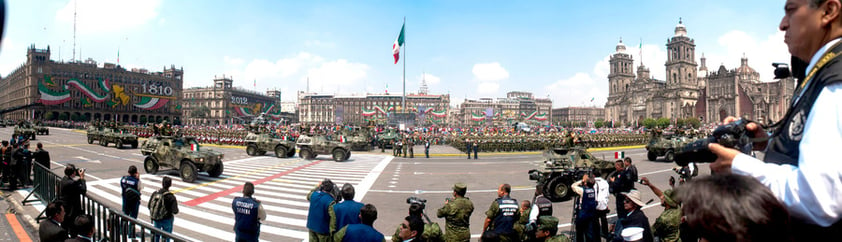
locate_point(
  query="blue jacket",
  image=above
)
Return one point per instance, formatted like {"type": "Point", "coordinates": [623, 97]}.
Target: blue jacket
{"type": "Point", "coordinates": [131, 191]}
{"type": "Point", "coordinates": [360, 233]}
{"type": "Point", "coordinates": [318, 219]}
{"type": "Point", "coordinates": [246, 224]}
{"type": "Point", "coordinates": [347, 212]}
{"type": "Point", "coordinates": [506, 218]}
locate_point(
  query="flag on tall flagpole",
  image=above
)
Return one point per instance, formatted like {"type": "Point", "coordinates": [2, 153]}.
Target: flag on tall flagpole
{"type": "Point", "coordinates": [255, 83]}
{"type": "Point", "coordinates": [396, 47]}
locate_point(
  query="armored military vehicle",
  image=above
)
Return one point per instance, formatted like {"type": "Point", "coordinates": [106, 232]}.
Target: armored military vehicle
{"type": "Point", "coordinates": [259, 143]}
{"type": "Point", "coordinates": [118, 136]}
{"type": "Point", "coordinates": [387, 138]}
{"type": "Point", "coordinates": [563, 166]}
{"type": "Point", "coordinates": [311, 146]}
{"type": "Point", "coordinates": [358, 139]}
{"type": "Point", "coordinates": [25, 129]}
{"type": "Point", "coordinates": [94, 134]}
{"type": "Point", "coordinates": [180, 153]}
{"type": "Point", "coordinates": [665, 145]}
{"type": "Point", "coordinates": [41, 129]}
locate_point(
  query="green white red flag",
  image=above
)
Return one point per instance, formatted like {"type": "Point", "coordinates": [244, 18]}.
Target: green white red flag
{"type": "Point", "coordinates": [396, 48]}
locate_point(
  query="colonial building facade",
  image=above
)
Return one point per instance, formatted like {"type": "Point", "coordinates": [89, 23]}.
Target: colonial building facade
{"type": "Point", "coordinates": [689, 91]}
{"type": "Point", "coordinates": [328, 109]}
{"type": "Point", "coordinates": [84, 91]}
{"type": "Point", "coordinates": [223, 103]}
{"type": "Point", "coordinates": [515, 107]}
{"type": "Point", "coordinates": [581, 115]}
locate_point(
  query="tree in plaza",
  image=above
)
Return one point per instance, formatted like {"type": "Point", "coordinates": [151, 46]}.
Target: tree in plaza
{"type": "Point", "coordinates": [142, 119]}
{"type": "Point", "coordinates": [663, 122]}
{"type": "Point", "coordinates": [74, 117]}
{"type": "Point", "coordinates": [649, 123]}
{"type": "Point", "coordinates": [693, 122]}
{"type": "Point", "coordinates": [598, 123]}
{"type": "Point", "coordinates": [200, 112]}
{"type": "Point", "coordinates": [680, 122]}
{"type": "Point", "coordinates": [63, 116]}
{"type": "Point", "coordinates": [49, 116]}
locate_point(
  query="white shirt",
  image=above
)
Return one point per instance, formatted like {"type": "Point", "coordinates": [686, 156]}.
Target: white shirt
{"type": "Point", "coordinates": [812, 191]}
{"type": "Point", "coordinates": [601, 187]}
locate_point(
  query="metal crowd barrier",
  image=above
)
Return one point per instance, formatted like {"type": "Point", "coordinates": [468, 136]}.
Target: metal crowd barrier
{"type": "Point", "coordinates": [111, 224]}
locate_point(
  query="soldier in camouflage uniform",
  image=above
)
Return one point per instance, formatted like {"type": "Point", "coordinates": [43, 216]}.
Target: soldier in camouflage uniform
{"type": "Point", "coordinates": [547, 230]}
{"type": "Point", "coordinates": [457, 213]}
{"type": "Point", "coordinates": [666, 226]}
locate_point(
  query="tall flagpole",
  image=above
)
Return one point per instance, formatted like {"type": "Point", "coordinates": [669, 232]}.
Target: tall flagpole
{"type": "Point", "coordinates": [403, 97]}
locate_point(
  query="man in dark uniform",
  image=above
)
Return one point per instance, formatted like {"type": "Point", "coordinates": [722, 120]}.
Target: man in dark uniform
{"type": "Point", "coordinates": [468, 147]}
{"type": "Point", "coordinates": [131, 188]}
{"type": "Point", "coordinates": [427, 148]}
{"type": "Point", "coordinates": [345, 212]}
{"type": "Point", "coordinates": [51, 230]}
{"type": "Point", "coordinates": [248, 213]}
{"type": "Point", "coordinates": [41, 156]}
{"type": "Point", "coordinates": [363, 231]}
{"type": "Point", "coordinates": [503, 214]}
{"type": "Point", "coordinates": [586, 226]}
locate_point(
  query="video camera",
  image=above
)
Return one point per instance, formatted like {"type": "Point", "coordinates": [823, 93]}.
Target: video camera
{"type": "Point", "coordinates": [416, 200]}
{"type": "Point", "coordinates": [733, 135]}
{"type": "Point", "coordinates": [331, 188]}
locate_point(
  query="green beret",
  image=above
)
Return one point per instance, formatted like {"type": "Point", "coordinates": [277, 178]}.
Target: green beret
{"type": "Point", "coordinates": [547, 222]}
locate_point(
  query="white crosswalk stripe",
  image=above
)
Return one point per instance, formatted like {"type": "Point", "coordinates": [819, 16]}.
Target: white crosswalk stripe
{"type": "Point", "coordinates": [285, 184]}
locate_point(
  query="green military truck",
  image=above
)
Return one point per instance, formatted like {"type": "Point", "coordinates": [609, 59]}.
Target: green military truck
{"type": "Point", "coordinates": [666, 145]}
{"type": "Point", "coordinates": [180, 153]}
{"type": "Point", "coordinates": [311, 146]}
{"type": "Point", "coordinates": [563, 166]}
{"type": "Point", "coordinates": [25, 129]}
{"type": "Point", "coordinates": [259, 143]}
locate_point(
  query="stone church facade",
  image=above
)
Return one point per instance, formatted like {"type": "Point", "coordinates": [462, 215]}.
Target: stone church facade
{"type": "Point", "coordinates": [690, 90]}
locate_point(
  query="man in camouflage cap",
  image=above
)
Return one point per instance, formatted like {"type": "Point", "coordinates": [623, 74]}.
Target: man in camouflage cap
{"type": "Point", "coordinates": [457, 213]}
{"type": "Point", "coordinates": [547, 230]}
{"type": "Point", "coordinates": [667, 224]}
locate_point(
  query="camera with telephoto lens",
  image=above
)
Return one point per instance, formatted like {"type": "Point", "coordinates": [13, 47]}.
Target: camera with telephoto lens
{"type": "Point", "coordinates": [733, 135]}
{"type": "Point", "coordinates": [415, 200]}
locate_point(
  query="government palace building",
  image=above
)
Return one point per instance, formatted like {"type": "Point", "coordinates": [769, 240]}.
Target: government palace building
{"type": "Point", "coordinates": [84, 91]}
{"type": "Point", "coordinates": [690, 90]}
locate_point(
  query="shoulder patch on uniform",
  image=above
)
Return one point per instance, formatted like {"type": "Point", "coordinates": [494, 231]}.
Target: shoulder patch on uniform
{"type": "Point", "coordinates": [796, 128]}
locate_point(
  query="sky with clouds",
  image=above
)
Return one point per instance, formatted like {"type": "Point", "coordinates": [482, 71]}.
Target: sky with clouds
{"type": "Point", "coordinates": [469, 49]}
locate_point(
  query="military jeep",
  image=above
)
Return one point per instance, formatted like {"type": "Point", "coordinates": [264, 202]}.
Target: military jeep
{"type": "Point", "coordinates": [666, 145]}
{"type": "Point", "coordinates": [94, 134]}
{"type": "Point", "coordinates": [42, 130]}
{"type": "Point", "coordinates": [311, 146]}
{"type": "Point", "coordinates": [563, 166]}
{"type": "Point", "coordinates": [180, 153]}
{"type": "Point", "coordinates": [387, 138]}
{"type": "Point", "coordinates": [25, 129]}
{"type": "Point", "coordinates": [118, 136]}
{"type": "Point", "coordinates": [259, 143]}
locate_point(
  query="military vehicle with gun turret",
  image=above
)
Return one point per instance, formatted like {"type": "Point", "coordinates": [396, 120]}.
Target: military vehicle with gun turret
{"type": "Point", "coordinates": [311, 146]}
{"type": "Point", "coordinates": [358, 139]}
{"type": "Point", "coordinates": [259, 143]}
{"type": "Point", "coordinates": [387, 138]}
{"type": "Point", "coordinates": [180, 153]}
{"type": "Point", "coordinates": [666, 145]}
{"type": "Point", "coordinates": [26, 129]}
{"type": "Point", "coordinates": [563, 166]}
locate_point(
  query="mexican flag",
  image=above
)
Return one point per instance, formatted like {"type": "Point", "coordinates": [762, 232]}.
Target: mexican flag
{"type": "Point", "coordinates": [342, 138]}
{"type": "Point", "coordinates": [396, 48]}
{"type": "Point", "coordinates": [194, 147]}
{"type": "Point", "coordinates": [619, 155]}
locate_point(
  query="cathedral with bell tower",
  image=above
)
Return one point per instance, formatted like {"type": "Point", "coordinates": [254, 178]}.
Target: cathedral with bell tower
{"type": "Point", "coordinates": [689, 89]}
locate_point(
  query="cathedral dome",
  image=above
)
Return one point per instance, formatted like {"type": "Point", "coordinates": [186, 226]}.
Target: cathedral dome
{"type": "Point", "coordinates": [744, 68]}
{"type": "Point", "coordinates": [680, 30]}
{"type": "Point", "coordinates": [621, 48]}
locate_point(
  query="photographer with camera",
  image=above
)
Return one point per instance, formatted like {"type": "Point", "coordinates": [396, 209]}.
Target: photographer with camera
{"type": "Point", "coordinates": [586, 226]}
{"type": "Point", "coordinates": [502, 215]}
{"type": "Point", "coordinates": [318, 220]}
{"type": "Point", "coordinates": [798, 165]}
{"type": "Point", "coordinates": [457, 214]}
{"type": "Point", "coordinates": [72, 188]}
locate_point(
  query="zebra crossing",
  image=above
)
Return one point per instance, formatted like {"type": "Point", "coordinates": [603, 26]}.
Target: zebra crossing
{"type": "Point", "coordinates": [280, 184]}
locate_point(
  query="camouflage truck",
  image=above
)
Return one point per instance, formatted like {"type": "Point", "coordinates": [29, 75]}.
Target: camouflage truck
{"type": "Point", "coordinates": [118, 136]}
{"type": "Point", "coordinates": [259, 143]}
{"type": "Point", "coordinates": [25, 129]}
{"type": "Point", "coordinates": [388, 137]}
{"type": "Point", "coordinates": [358, 140]}
{"type": "Point", "coordinates": [94, 134]}
{"type": "Point", "coordinates": [666, 145]}
{"type": "Point", "coordinates": [311, 146]}
{"type": "Point", "coordinates": [180, 153]}
{"type": "Point", "coordinates": [563, 166]}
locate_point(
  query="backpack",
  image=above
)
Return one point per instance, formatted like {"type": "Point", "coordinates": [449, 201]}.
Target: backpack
{"type": "Point", "coordinates": [432, 232]}
{"type": "Point", "coordinates": [157, 207]}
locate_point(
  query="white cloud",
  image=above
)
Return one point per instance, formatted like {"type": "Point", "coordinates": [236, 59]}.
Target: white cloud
{"type": "Point", "coordinates": [291, 73]}
{"type": "Point", "coordinates": [491, 72]}
{"type": "Point", "coordinates": [488, 88]}
{"type": "Point", "coordinates": [108, 15]}
{"type": "Point", "coordinates": [760, 53]}
{"type": "Point", "coordinates": [429, 78]}
{"type": "Point", "coordinates": [577, 90]}
{"type": "Point", "coordinates": [339, 74]}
